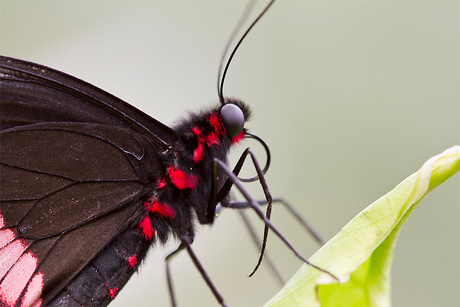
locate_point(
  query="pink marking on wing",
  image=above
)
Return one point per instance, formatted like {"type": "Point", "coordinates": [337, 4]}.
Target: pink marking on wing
{"type": "Point", "coordinates": [163, 210]}
{"type": "Point", "coordinates": [17, 278]}
{"type": "Point", "coordinates": [10, 254]}
{"type": "Point", "coordinates": [146, 227]}
{"type": "Point", "coordinates": [34, 292]}
{"type": "Point", "coordinates": [6, 236]}
{"type": "Point", "coordinates": [37, 303]}
{"type": "Point", "coordinates": [182, 180]}
{"type": "Point", "coordinates": [132, 261]}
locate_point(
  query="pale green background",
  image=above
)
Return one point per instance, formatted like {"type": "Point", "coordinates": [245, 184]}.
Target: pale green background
{"type": "Point", "coordinates": [351, 96]}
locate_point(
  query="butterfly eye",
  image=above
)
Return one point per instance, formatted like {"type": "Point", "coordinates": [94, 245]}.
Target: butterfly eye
{"type": "Point", "coordinates": [233, 119]}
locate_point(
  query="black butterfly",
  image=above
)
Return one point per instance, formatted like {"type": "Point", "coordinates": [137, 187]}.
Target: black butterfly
{"type": "Point", "coordinates": [80, 169]}
{"type": "Point", "coordinates": [89, 182]}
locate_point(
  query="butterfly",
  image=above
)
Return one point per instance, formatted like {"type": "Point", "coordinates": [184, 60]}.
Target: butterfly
{"type": "Point", "coordinates": [89, 183]}
{"type": "Point", "coordinates": [88, 179]}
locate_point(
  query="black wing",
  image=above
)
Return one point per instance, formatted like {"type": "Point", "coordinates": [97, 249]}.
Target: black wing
{"type": "Point", "coordinates": [32, 93]}
{"type": "Point", "coordinates": [74, 173]}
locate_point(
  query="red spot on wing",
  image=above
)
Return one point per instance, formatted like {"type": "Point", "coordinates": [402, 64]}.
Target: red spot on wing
{"type": "Point", "coordinates": [146, 227]}
{"type": "Point", "coordinates": [132, 261]}
{"type": "Point", "coordinates": [182, 180]}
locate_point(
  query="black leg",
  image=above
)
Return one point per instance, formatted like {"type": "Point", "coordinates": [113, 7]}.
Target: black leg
{"type": "Point", "coordinates": [214, 206]}
{"type": "Point", "coordinates": [216, 203]}
{"type": "Point", "coordinates": [256, 241]}
{"type": "Point", "coordinates": [186, 241]}
{"type": "Point", "coordinates": [241, 205]}
{"type": "Point", "coordinates": [186, 244]}
{"type": "Point", "coordinates": [256, 207]}
{"type": "Point", "coordinates": [215, 198]}
{"type": "Point", "coordinates": [308, 227]}
{"type": "Point", "coordinates": [168, 259]}
{"type": "Point", "coordinates": [219, 197]}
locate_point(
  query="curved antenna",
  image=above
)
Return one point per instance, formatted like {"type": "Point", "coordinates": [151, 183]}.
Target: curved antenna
{"type": "Point", "coordinates": [267, 150]}
{"type": "Point", "coordinates": [220, 81]}
{"type": "Point", "coordinates": [239, 24]}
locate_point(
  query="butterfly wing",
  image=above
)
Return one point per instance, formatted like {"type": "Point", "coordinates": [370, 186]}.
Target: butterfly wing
{"type": "Point", "coordinates": [33, 93]}
{"type": "Point", "coordinates": [71, 182]}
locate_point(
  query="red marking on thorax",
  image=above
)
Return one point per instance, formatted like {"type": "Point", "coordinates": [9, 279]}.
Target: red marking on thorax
{"type": "Point", "coordinates": [198, 154]}
{"type": "Point", "coordinates": [146, 226]}
{"type": "Point", "coordinates": [181, 180]}
{"type": "Point", "coordinates": [156, 207]}
{"type": "Point", "coordinates": [162, 183]}
{"type": "Point", "coordinates": [216, 124]}
{"type": "Point", "coordinates": [211, 139]}
{"type": "Point", "coordinates": [197, 131]}
{"type": "Point", "coordinates": [163, 210]}
{"type": "Point", "coordinates": [208, 140]}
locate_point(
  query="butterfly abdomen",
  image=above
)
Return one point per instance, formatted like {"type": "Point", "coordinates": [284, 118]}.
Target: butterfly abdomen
{"type": "Point", "coordinates": [104, 277]}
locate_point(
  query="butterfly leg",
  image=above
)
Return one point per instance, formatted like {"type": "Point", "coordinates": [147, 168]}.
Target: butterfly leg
{"type": "Point", "coordinates": [256, 240]}
{"type": "Point", "coordinates": [308, 227]}
{"type": "Point", "coordinates": [256, 207]}
{"type": "Point", "coordinates": [241, 205]}
{"type": "Point", "coordinates": [186, 244]}
{"type": "Point", "coordinates": [168, 259]}
{"type": "Point", "coordinates": [216, 198]}
{"type": "Point", "coordinates": [244, 204]}
{"type": "Point", "coordinates": [187, 241]}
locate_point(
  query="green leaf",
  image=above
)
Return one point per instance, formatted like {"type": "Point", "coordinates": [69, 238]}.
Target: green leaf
{"type": "Point", "coordinates": [361, 254]}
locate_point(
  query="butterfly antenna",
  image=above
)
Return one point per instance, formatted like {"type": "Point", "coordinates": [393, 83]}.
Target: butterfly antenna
{"type": "Point", "coordinates": [244, 16]}
{"type": "Point", "coordinates": [241, 21]}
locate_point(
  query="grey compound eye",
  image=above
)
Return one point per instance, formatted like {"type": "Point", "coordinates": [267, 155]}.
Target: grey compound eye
{"type": "Point", "coordinates": [233, 119]}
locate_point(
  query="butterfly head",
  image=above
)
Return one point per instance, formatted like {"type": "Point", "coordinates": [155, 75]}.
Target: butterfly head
{"type": "Point", "coordinates": [233, 116]}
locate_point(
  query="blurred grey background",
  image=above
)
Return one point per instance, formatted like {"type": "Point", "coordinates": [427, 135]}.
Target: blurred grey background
{"type": "Point", "coordinates": [351, 96]}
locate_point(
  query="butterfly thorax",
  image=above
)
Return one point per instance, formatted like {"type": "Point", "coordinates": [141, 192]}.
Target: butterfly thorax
{"type": "Point", "coordinates": [181, 195]}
